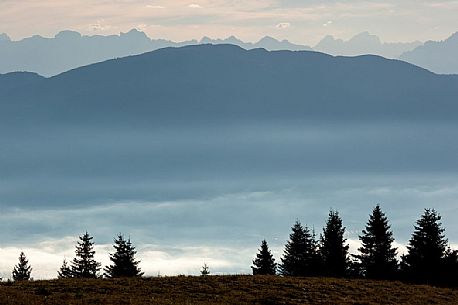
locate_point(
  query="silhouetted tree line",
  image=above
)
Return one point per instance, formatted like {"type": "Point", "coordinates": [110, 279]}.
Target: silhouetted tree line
{"type": "Point", "coordinates": [429, 258]}
{"type": "Point", "coordinates": [84, 264]}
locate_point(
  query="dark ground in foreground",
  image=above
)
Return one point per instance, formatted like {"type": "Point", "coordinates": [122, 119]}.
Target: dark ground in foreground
{"type": "Point", "coordinates": [223, 290]}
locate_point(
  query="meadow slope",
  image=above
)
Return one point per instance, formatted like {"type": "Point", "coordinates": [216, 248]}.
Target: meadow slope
{"type": "Point", "coordinates": [223, 290]}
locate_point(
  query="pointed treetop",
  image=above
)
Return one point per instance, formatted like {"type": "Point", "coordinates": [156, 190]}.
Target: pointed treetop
{"type": "Point", "coordinates": [22, 270]}
{"type": "Point", "coordinates": [84, 264]}
{"type": "Point", "coordinates": [377, 256]}
{"type": "Point", "coordinates": [123, 259]}
{"type": "Point", "coordinates": [334, 250]}
{"type": "Point", "coordinates": [264, 263]}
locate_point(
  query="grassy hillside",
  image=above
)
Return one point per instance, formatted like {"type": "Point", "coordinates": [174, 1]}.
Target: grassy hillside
{"type": "Point", "coordinates": [222, 290]}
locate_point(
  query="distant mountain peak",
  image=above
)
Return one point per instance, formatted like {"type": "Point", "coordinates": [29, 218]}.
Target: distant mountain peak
{"type": "Point", "coordinates": [268, 39]}
{"type": "Point", "coordinates": [436, 56]}
{"type": "Point", "coordinates": [4, 37]}
{"type": "Point", "coordinates": [134, 33]}
{"type": "Point", "coordinates": [68, 34]}
{"type": "Point", "coordinates": [364, 43]}
{"type": "Point", "coordinates": [366, 37]}
{"type": "Point", "coordinates": [234, 40]}
{"type": "Point", "coordinates": [453, 37]}
{"type": "Point", "coordinates": [206, 40]}
{"type": "Point", "coordinates": [328, 39]}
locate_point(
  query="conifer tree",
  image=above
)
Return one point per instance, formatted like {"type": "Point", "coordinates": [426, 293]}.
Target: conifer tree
{"type": "Point", "coordinates": [427, 249]}
{"type": "Point", "coordinates": [84, 264]}
{"type": "Point", "coordinates": [65, 271]}
{"type": "Point", "coordinates": [264, 263]}
{"type": "Point", "coordinates": [377, 256]}
{"type": "Point", "coordinates": [22, 270]}
{"type": "Point", "coordinates": [123, 259]}
{"type": "Point", "coordinates": [333, 250]}
{"type": "Point", "coordinates": [205, 270]}
{"type": "Point", "coordinates": [300, 253]}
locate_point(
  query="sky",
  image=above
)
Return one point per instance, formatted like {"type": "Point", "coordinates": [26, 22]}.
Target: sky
{"type": "Point", "coordinates": [298, 21]}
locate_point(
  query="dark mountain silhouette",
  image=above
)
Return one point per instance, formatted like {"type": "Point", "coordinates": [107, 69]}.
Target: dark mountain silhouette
{"type": "Point", "coordinates": [436, 56]}
{"type": "Point", "coordinates": [208, 82]}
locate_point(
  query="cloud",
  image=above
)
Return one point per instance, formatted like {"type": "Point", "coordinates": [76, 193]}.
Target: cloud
{"type": "Point", "coordinates": [155, 6]}
{"type": "Point", "coordinates": [100, 25]}
{"type": "Point", "coordinates": [283, 25]}
{"type": "Point", "coordinates": [194, 5]}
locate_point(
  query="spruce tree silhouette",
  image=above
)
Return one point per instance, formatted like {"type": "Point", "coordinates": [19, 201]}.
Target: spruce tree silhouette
{"type": "Point", "coordinates": [377, 256]}
{"type": "Point", "coordinates": [123, 259]}
{"type": "Point", "coordinates": [333, 250]}
{"type": "Point", "coordinates": [205, 270]}
{"type": "Point", "coordinates": [264, 263]}
{"type": "Point", "coordinates": [84, 265]}
{"type": "Point", "coordinates": [21, 272]}
{"type": "Point", "coordinates": [424, 261]}
{"type": "Point", "coordinates": [300, 255]}
{"type": "Point", "coordinates": [65, 271]}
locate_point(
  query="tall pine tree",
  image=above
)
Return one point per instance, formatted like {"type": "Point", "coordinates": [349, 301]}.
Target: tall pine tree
{"type": "Point", "coordinates": [84, 264]}
{"type": "Point", "coordinates": [123, 260]}
{"type": "Point", "coordinates": [424, 260]}
{"type": "Point", "coordinates": [299, 258]}
{"type": "Point", "coordinates": [377, 256]}
{"type": "Point", "coordinates": [22, 270]}
{"type": "Point", "coordinates": [333, 250]}
{"type": "Point", "coordinates": [264, 263]}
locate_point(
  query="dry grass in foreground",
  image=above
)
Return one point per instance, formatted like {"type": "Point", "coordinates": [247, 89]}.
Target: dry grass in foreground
{"type": "Point", "coordinates": [222, 290]}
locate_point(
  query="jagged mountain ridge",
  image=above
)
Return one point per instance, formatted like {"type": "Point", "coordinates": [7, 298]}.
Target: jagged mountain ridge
{"type": "Point", "coordinates": [437, 56]}
{"type": "Point", "coordinates": [364, 43]}
{"type": "Point", "coordinates": [69, 49]}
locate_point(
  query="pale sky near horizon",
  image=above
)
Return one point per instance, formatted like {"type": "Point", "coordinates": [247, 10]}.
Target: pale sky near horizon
{"type": "Point", "coordinates": [303, 22]}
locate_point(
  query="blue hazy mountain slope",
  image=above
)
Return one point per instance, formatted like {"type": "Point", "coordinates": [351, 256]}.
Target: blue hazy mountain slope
{"type": "Point", "coordinates": [226, 82]}
{"type": "Point", "coordinates": [436, 56]}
